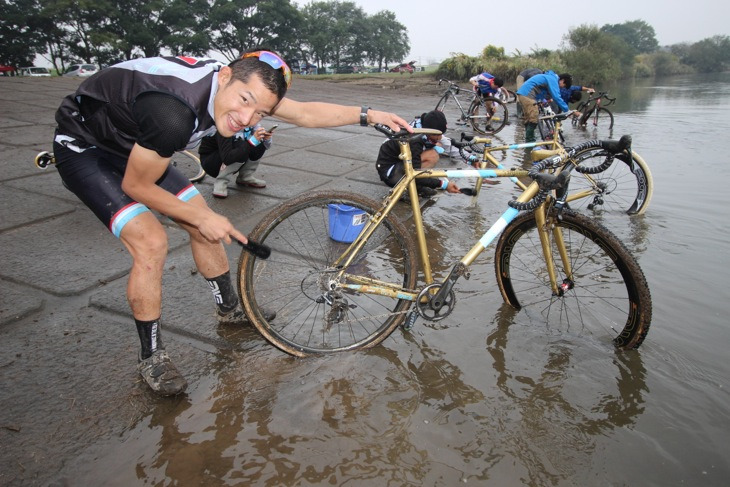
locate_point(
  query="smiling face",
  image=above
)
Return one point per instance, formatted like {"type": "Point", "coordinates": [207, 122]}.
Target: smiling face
{"type": "Point", "coordinates": [239, 104]}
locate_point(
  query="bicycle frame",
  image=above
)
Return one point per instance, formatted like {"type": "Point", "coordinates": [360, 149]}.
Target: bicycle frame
{"type": "Point", "coordinates": [451, 93]}
{"type": "Point", "coordinates": [550, 147]}
{"type": "Point", "coordinates": [408, 182]}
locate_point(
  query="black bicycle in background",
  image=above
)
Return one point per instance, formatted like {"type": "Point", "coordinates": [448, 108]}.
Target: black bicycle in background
{"type": "Point", "coordinates": [594, 111]}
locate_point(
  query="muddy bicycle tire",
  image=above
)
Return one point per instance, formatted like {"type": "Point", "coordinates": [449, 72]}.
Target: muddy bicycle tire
{"type": "Point", "coordinates": [610, 300]}
{"type": "Point", "coordinates": [189, 164]}
{"type": "Point", "coordinates": [442, 103]}
{"type": "Point", "coordinates": [314, 315]}
{"type": "Point", "coordinates": [481, 120]}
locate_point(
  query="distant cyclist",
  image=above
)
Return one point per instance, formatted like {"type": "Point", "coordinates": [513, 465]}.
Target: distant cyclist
{"type": "Point", "coordinates": [536, 89]}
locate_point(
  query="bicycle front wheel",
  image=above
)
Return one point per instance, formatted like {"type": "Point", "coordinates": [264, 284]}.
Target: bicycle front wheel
{"type": "Point", "coordinates": [189, 164]}
{"type": "Point", "coordinates": [442, 103]}
{"type": "Point", "coordinates": [606, 297]}
{"type": "Point", "coordinates": [322, 305]}
{"type": "Point", "coordinates": [603, 118]}
{"type": "Point", "coordinates": [625, 186]}
{"type": "Point", "coordinates": [487, 115]}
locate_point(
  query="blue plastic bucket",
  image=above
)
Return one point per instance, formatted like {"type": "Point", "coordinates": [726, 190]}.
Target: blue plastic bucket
{"type": "Point", "coordinates": [345, 222]}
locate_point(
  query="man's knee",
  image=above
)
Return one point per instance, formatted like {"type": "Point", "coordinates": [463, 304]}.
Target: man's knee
{"type": "Point", "coordinates": [145, 238]}
{"type": "Point", "coordinates": [429, 158]}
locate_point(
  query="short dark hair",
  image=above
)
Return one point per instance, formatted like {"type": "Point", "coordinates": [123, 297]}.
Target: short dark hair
{"type": "Point", "coordinates": [272, 78]}
{"type": "Point", "coordinates": [567, 79]}
{"type": "Point", "coordinates": [434, 120]}
{"type": "Point", "coordinates": [498, 81]}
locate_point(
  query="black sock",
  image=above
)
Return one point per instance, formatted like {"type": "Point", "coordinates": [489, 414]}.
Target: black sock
{"type": "Point", "coordinates": [149, 336]}
{"type": "Point", "coordinates": [225, 297]}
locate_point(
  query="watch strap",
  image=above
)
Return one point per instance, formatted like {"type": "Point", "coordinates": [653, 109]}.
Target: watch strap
{"type": "Point", "coordinates": [364, 116]}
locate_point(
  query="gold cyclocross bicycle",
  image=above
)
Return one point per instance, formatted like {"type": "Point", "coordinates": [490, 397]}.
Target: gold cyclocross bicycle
{"type": "Point", "coordinates": [343, 270]}
{"type": "Point", "coordinates": [607, 181]}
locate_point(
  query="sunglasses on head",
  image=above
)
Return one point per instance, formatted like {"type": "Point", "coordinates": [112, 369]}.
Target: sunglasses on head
{"type": "Point", "coordinates": [272, 60]}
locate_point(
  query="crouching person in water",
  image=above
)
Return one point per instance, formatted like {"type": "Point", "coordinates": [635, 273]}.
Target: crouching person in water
{"type": "Point", "coordinates": [113, 144]}
{"type": "Point", "coordinates": [425, 153]}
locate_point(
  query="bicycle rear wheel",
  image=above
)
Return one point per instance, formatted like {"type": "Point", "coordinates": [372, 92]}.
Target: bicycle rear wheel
{"type": "Point", "coordinates": [189, 164]}
{"type": "Point", "coordinates": [625, 186]}
{"type": "Point", "coordinates": [607, 298]}
{"type": "Point", "coordinates": [487, 115]}
{"type": "Point", "coordinates": [316, 312]}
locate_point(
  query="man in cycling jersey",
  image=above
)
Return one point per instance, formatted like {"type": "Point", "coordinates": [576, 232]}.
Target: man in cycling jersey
{"type": "Point", "coordinates": [113, 144]}
{"type": "Point", "coordinates": [534, 90]}
{"type": "Point", "coordinates": [424, 152]}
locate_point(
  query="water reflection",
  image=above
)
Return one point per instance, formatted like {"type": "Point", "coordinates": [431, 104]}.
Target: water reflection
{"type": "Point", "coordinates": [565, 395]}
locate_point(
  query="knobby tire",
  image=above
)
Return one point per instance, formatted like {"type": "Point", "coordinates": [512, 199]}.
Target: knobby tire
{"type": "Point", "coordinates": [297, 279]}
{"type": "Point", "coordinates": [610, 300]}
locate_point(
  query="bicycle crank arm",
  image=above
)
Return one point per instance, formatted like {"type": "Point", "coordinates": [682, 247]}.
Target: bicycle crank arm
{"type": "Point", "coordinates": [442, 295]}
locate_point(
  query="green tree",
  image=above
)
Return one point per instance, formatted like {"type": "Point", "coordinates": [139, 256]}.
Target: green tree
{"type": "Point", "coordinates": [387, 39]}
{"type": "Point", "coordinates": [19, 40]}
{"type": "Point", "coordinates": [335, 32]}
{"type": "Point", "coordinates": [709, 55]}
{"type": "Point", "coordinates": [493, 53]}
{"type": "Point", "coordinates": [593, 56]}
{"type": "Point", "coordinates": [239, 25]}
{"type": "Point", "coordinates": [636, 33]}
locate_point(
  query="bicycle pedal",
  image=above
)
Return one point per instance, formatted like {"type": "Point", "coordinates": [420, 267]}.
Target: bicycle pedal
{"type": "Point", "coordinates": [410, 320]}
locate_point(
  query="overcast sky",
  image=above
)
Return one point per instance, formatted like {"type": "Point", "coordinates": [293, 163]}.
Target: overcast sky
{"type": "Point", "coordinates": [438, 28]}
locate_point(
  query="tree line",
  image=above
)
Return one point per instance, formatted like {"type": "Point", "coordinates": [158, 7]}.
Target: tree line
{"type": "Point", "coordinates": [104, 32]}
{"type": "Point", "coordinates": [595, 54]}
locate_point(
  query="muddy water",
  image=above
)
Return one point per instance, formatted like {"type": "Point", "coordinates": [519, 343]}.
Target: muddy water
{"type": "Point", "coordinates": [484, 398]}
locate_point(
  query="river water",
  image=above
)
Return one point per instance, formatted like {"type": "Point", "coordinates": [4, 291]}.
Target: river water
{"type": "Point", "coordinates": [483, 398]}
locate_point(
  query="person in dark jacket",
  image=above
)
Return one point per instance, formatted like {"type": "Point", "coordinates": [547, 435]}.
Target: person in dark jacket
{"type": "Point", "coordinates": [222, 156]}
{"type": "Point", "coordinates": [424, 152]}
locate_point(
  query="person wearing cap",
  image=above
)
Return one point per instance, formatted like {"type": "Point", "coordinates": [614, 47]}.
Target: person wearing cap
{"type": "Point", "coordinates": [223, 156]}
{"type": "Point", "coordinates": [424, 155]}
{"type": "Point", "coordinates": [534, 90]}
{"type": "Point", "coordinates": [113, 144]}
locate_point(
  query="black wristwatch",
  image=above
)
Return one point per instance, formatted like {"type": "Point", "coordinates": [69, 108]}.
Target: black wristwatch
{"type": "Point", "coordinates": [364, 116]}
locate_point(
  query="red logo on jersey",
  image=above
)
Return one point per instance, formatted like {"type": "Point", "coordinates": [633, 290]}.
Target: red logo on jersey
{"type": "Point", "coordinates": [190, 60]}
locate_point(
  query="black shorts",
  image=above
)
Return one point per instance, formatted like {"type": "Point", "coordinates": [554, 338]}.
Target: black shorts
{"type": "Point", "coordinates": [95, 176]}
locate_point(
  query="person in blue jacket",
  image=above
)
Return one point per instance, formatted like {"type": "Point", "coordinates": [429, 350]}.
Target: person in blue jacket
{"type": "Point", "coordinates": [531, 92]}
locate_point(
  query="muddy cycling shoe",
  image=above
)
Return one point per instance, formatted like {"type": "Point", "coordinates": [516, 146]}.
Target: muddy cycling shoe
{"type": "Point", "coordinates": [237, 317]}
{"type": "Point", "coordinates": [161, 375]}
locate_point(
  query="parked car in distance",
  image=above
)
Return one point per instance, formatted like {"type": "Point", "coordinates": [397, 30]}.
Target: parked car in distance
{"type": "Point", "coordinates": [7, 70]}
{"type": "Point", "coordinates": [345, 69]}
{"type": "Point", "coordinates": [81, 70]}
{"type": "Point", "coordinates": [404, 68]}
{"type": "Point", "coordinates": [33, 71]}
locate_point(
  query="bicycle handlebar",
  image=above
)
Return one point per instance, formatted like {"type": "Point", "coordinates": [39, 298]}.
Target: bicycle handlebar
{"type": "Point", "coordinates": [452, 86]}
{"type": "Point", "coordinates": [548, 182]}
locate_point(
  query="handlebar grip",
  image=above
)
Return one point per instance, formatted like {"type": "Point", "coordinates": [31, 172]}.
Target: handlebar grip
{"type": "Point", "coordinates": [259, 250]}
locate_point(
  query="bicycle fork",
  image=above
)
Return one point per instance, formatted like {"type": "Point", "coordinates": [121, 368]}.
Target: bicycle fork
{"type": "Point", "coordinates": [546, 228]}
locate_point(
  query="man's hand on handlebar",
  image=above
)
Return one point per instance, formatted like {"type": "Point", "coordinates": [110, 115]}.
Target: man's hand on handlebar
{"type": "Point", "coordinates": [391, 120]}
